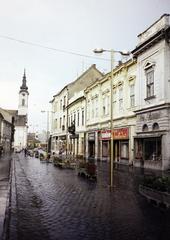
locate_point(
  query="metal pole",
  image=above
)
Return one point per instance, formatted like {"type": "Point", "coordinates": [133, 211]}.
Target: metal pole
{"type": "Point", "coordinates": [47, 128]}
{"type": "Point", "coordinates": [111, 120]}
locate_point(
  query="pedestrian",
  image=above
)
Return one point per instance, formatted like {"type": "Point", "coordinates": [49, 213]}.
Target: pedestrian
{"type": "Point", "coordinates": [25, 152]}
{"type": "Point", "coordinates": [1, 150]}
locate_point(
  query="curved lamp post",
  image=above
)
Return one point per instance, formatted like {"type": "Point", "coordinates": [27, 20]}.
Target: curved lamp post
{"type": "Point", "coordinates": [125, 53]}
{"type": "Point", "coordinates": [47, 136]}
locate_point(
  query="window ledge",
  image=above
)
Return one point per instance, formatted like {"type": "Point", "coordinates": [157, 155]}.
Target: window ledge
{"type": "Point", "coordinates": [149, 98]}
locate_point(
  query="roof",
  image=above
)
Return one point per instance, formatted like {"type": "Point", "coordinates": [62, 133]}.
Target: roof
{"type": "Point", "coordinates": [93, 66]}
{"type": "Point", "coordinates": [6, 115]}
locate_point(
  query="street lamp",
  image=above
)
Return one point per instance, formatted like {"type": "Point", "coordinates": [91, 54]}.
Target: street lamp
{"type": "Point", "coordinates": [125, 53]}
{"type": "Point", "coordinates": [43, 111]}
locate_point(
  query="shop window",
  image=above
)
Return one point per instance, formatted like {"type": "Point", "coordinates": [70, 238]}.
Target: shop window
{"type": "Point", "coordinates": [152, 149]}
{"type": "Point", "coordinates": [124, 150]}
{"type": "Point", "coordinates": [155, 127]}
{"type": "Point", "coordinates": [145, 128]}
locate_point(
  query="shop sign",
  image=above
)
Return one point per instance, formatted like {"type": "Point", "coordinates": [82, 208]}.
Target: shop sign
{"type": "Point", "coordinates": [105, 134]}
{"type": "Point", "coordinates": [121, 133]}
{"type": "Point", "coordinates": [91, 136]}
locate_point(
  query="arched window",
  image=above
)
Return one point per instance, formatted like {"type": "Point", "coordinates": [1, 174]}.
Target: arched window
{"type": "Point", "coordinates": [145, 128]}
{"type": "Point", "coordinates": [155, 126]}
{"type": "Point", "coordinates": [23, 102]}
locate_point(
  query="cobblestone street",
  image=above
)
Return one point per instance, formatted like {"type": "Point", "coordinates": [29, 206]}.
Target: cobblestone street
{"type": "Point", "coordinates": [51, 203]}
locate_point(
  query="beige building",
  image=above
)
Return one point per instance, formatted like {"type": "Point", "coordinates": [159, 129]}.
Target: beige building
{"type": "Point", "coordinates": [6, 130]}
{"type": "Point", "coordinates": [76, 114]}
{"type": "Point", "coordinates": [99, 116]}
{"type": "Point", "coordinates": [65, 114]}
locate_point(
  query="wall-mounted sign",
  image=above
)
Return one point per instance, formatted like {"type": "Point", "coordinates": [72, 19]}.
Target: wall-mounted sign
{"type": "Point", "coordinates": [105, 134]}
{"type": "Point", "coordinates": [91, 136]}
{"type": "Point", "coordinates": [121, 133]}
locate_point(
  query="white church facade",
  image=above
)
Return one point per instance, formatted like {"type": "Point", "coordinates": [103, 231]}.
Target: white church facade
{"type": "Point", "coordinates": [21, 116]}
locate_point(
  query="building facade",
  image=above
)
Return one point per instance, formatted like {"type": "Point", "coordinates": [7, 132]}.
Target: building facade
{"type": "Point", "coordinates": [6, 130]}
{"type": "Point", "coordinates": [152, 139]}
{"type": "Point", "coordinates": [140, 107]}
{"type": "Point", "coordinates": [65, 116]}
{"type": "Point", "coordinates": [98, 108]}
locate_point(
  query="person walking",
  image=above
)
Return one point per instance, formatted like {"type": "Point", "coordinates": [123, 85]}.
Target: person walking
{"type": "Point", "coordinates": [25, 152]}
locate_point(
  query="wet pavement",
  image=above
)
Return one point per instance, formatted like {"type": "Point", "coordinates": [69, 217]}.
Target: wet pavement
{"type": "Point", "coordinates": [52, 203]}
{"type": "Point", "coordinates": [4, 188]}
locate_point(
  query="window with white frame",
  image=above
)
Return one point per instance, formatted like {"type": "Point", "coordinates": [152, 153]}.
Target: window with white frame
{"type": "Point", "coordinates": [74, 117]}
{"type": "Point", "coordinates": [120, 99]}
{"type": "Point", "coordinates": [82, 117]}
{"type": "Point", "coordinates": [108, 104]}
{"type": "Point", "coordinates": [55, 124]}
{"type": "Point", "coordinates": [104, 106]}
{"type": "Point", "coordinates": [55, 106]}
{"type": "Point", "coordinates": [92, 108]}
{"type": "Point", "coordinates": [60, 122]}
{"type": "Point", "coordinates": [96, 106]}
{"type": "Point", "coordinates": [114, 98]}
{"type": "Point", "coordinates": [78, 118]}
{"type": "Point", "coordinates": [64, 104]}
{"type": "Point", "coordinates": [61, 107]}
{"type": "Point", "coordinates": [132, 95]}
{"type": "Point", "coordinates": [69, 120]}
{"type": "Point", "coordinates": [88, 110]}
{"type": "Point", "coordinates": [149, 72]}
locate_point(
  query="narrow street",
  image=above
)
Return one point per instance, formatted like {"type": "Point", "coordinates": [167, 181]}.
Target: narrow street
{"type": "Point", "coordinates": [51, 203]}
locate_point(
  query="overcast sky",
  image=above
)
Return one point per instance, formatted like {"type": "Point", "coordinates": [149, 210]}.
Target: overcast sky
{"type": "Point", "coordinates": [76, 26]}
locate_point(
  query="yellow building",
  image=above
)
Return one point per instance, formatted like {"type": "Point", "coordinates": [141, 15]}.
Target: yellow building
{"type": "Point", "coordinates": [99, 117]}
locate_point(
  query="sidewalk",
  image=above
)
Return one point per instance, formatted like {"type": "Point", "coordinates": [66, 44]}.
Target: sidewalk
{"type": "Point", "coordinates": [4, 188]}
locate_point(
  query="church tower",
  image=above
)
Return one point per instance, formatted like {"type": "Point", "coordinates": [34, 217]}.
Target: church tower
{"type": "Point", "coordinates": [23, 97]}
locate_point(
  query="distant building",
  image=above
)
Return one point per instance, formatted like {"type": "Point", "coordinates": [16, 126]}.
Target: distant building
{"type": "Point", "coordinates": [65, 113]}
{"type": "Point", "coordinates": [20, 137]}
{"type": "Point", "coordinates": [6, 130]}
{"type": "Point", "coordinates": [20, 117]}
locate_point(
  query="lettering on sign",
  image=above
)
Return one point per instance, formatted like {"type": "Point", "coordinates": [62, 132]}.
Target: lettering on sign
{"type": "Point", "coordinates": [121, 133]}
{"type": "Point", "coordinates": [106, 134]}
{"type": "Point", "coordinates": [91, 136]}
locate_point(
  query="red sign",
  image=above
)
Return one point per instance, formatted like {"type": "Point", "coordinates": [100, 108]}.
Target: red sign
{"type": "Point", "coordinates": [121, 133]}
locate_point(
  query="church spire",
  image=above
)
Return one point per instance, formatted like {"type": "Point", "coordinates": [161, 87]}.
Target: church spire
{"type": "Point", "coordinates": [24, 85]}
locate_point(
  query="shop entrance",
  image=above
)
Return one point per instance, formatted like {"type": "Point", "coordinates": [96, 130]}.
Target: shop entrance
{"type": "Point", "coordinates": [91, 148]}
{"type": "Point", "coordinates": [121, 150]}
